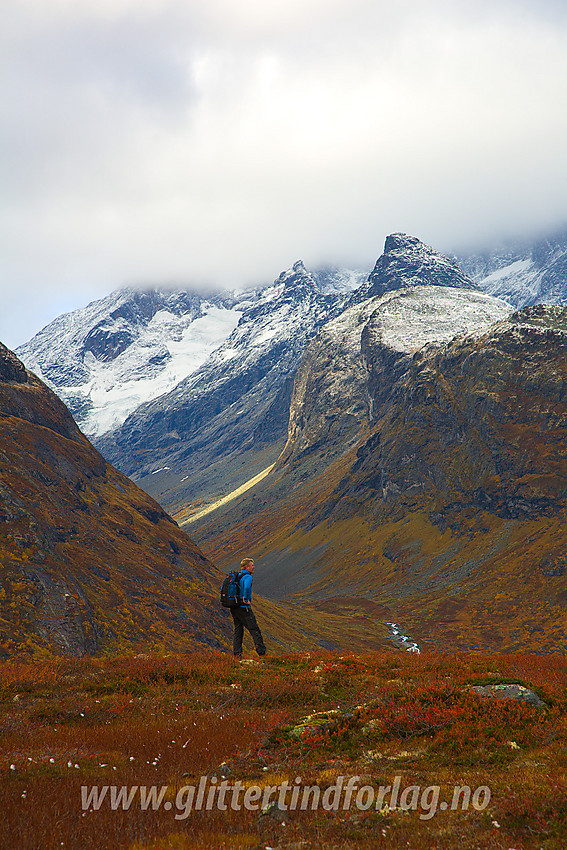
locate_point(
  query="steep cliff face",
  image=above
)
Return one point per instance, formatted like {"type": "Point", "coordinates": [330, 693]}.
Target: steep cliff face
{"type": "Point", "coordinates": [87, 560]}
{"type": "Point", "coordinates": [479, 423]}
{"type": "Point", "coordinates": [349, 370]}
{"type": "Point", "coordinates": [329, 404]}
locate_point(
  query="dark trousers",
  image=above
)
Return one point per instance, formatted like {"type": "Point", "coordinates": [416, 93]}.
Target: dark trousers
{"type": "Point", "coordinates": [244, 618]}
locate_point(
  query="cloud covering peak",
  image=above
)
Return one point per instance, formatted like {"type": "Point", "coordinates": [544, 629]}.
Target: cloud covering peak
{"type": "Point", "coordinates": [208, 140]}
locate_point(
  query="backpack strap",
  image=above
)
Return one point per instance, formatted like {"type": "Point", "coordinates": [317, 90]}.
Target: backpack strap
{"type": "Point", "coordinates": [238, 577]}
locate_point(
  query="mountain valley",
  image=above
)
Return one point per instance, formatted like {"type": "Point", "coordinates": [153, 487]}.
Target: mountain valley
{"type": "Point", "coordinates": [389, 449]}
{"type": "Point", "coordinates": [448, 515]}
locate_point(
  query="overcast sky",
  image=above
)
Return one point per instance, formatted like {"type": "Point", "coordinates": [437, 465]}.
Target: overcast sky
{"type": "Point", "coordinates": [185, 141]}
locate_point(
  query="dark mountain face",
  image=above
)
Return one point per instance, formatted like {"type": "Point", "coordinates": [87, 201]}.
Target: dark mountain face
{"type": "Point", "coordinates": [407, 261]}
{"type": "Point", "coordinates": [87, 560]}
{"type": "Point", "coordinates": [479, 424]}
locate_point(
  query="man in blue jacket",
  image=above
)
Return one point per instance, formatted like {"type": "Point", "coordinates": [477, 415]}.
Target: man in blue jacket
{"type": "Point", "coordinates": [243, 616]}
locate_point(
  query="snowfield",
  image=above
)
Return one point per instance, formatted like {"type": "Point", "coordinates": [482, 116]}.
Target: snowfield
{"type": "Point", "coordinates": [165, 353]}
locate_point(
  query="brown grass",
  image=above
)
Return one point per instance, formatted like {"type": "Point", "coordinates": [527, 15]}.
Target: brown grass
{"type": "Point", "coordinates": [167, 721]}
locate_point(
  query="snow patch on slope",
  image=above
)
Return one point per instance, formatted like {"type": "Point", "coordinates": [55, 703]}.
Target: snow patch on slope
{"type": "Point", "coordinates": [515, 268]}
{"type": "Point", "coordinates": [520, 281]}
{"type": "Point", "coordinates": [523, 273]}
{"type": "Point", "coordinates": [409, 319]}
{"type": "Point", "coordinates": [176, 350]}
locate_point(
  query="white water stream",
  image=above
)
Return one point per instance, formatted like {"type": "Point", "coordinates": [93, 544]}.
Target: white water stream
{"type": "Point", "coordinates": [401, 640]}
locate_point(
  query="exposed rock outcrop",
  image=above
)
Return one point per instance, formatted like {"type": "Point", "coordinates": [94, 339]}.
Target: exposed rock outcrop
{"type": "Point", "coordinates": [407, 261]}
{"type": "Point", "coordinates": [517, 693]}
{"type": "Point", "coordinates": [12, 370]}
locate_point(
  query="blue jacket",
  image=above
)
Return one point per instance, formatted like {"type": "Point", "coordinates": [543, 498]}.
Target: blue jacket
{"type": "Point", "coordinates": [245, 582]}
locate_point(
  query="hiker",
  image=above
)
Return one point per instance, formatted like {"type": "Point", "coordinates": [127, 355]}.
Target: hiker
{"type": "Point", "coordinates": [243, 616]}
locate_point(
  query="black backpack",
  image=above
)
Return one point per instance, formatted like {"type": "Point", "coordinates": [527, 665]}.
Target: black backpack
{"type": "Point", "coordinates": [230, 590]}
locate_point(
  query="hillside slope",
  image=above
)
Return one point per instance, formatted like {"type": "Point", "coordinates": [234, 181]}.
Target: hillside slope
{"type": "Point", "coordinates": [88, 560]}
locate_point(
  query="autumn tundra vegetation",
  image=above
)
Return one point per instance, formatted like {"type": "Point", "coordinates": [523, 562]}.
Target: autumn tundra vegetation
{"type": "Point", "coordinates": [191, 752]}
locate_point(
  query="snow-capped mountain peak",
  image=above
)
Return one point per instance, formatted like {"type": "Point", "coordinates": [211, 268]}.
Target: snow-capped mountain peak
{"type": "Point", "coordinates": [405, 262]}
{"type": "Point", "coordinates": [131, 346]}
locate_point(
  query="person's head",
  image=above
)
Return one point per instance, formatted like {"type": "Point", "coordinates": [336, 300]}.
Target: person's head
{"type": "Point", "coordinates": [247, 564]}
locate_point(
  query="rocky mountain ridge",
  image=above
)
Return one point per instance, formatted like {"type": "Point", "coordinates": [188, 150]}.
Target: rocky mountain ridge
{"type": "Point", "coordinates": [134, 345]}
{"type": "Point", "coordinates": [189, 393]}
{"type": "Point", "coordinates": [233, 412]}
{"type": "Point", "coordinates": [223, 410]}
{"type": "Point", "coordinates": [408, 262]}
{"type": "Point", "coordinates": [424, 466]}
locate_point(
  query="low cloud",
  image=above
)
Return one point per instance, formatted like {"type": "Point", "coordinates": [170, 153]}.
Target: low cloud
{"type": "Point", "coordinates": [218, 141]}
